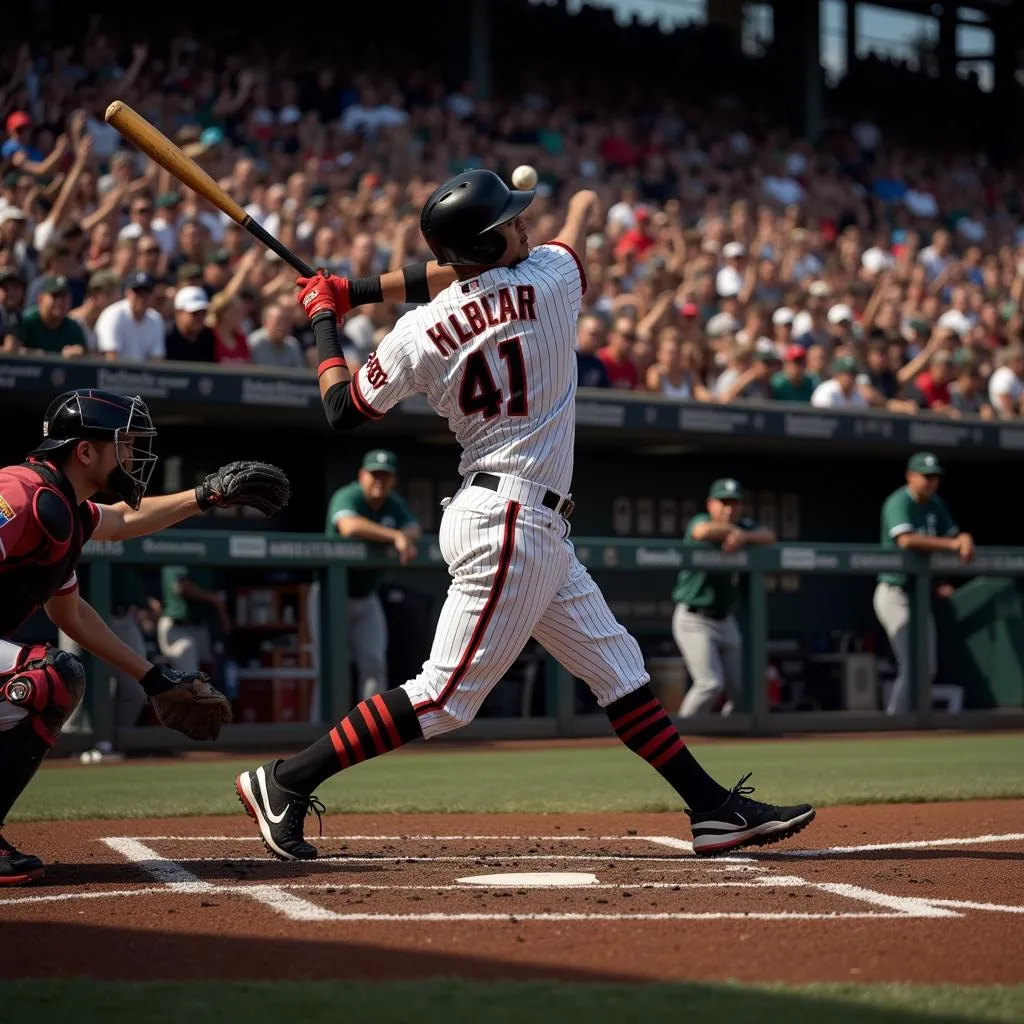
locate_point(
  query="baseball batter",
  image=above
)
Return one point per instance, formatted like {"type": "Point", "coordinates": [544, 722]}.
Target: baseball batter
{"type": "Point", "coordinates": [494, 353]}
{"type": "Point", "coordinates": [703, 623]}
{"type": "Point", "coordinates": [914, 518]}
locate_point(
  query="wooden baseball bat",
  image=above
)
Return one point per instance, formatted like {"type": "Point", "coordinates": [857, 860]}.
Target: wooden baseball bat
{"type": "Point", "coordinates": [157, 146]}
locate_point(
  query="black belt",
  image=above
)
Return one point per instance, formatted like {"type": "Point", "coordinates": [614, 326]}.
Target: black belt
{"type": "Point", "coordinates": [706, 613]}
{"type": "Point", "coordinates": [550, 500]}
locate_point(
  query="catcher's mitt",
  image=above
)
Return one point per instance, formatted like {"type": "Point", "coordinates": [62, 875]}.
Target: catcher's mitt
{"type": "Point", "coordinates": [257, 484]}
{"type": "Point", "coordinates": [187, 702]}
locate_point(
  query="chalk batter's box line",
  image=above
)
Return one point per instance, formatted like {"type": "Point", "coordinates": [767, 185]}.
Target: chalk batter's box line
{"type": "Point", "coordinates": [283, 898]}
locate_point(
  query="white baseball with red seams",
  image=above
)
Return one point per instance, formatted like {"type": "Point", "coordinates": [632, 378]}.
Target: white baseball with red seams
{"type": "Point", "coordinates": [496, 356]}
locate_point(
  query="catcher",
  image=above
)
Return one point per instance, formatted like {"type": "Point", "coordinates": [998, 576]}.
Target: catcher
{"type": "Point", "coordinates": [94, 443]}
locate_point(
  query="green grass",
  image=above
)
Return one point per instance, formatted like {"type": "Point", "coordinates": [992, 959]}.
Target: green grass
{"type": "Point", "coordinates": [453, 1002]}
{"type": "Point", "coordinates": [824, 772]}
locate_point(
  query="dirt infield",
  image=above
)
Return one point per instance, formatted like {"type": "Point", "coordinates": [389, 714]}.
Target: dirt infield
{"type": "Point", "coordinates": [926, 892]}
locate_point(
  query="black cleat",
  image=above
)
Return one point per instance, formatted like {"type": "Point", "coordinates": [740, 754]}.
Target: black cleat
{"type": "Point", "coordinates": [741, 822]}
{"type": "Point", "coordinates": [278, 812]}
{"type": "Point", "coordinates": [17, 868]}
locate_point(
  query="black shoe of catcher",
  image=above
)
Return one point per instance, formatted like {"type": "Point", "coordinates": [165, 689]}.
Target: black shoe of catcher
{"type": "Point", "coordinates": [278, 812]}
{"type": "Point", "coordinates": [17, 868]}
{"type": "Point", "coordinates": [741, 822]}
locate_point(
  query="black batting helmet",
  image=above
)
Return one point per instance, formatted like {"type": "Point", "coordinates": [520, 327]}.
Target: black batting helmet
{"type": "Point", "coordinates": [98, 415]}
{"type": "Point", "coordinates": [459, 219]}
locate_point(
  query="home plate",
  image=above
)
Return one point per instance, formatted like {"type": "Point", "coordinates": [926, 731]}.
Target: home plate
{"type": "Point", "coordinates": [532, 879]}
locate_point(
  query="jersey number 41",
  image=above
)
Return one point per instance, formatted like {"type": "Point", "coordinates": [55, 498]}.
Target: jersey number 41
{"type": "Point", "coordinates": [479, 393]}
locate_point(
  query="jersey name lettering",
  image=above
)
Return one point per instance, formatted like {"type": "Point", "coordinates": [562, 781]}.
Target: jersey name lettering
{"type": "Point", "coordinates": [375, 372]}
{"type": "Point", "coordinates": [488, 310]}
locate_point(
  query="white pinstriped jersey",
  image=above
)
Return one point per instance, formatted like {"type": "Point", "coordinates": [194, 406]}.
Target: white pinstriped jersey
{"type": "Point", "coordinates": [496, 356]}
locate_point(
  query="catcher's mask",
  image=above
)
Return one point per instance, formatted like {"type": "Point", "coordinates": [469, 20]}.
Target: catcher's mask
{"type": "Point", "coordinates": [94, 414]}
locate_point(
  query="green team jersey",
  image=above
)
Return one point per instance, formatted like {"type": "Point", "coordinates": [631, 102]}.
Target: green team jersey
{"type": "Point", "coordinates": [180, 608]}
{"type": "Point", "coordinates": [902, 514]}
{"type": "Point", "coordinates": [394, 512]}
{"type": "Point", "coordinates": [715, 592]}
{"type": "Point", "coordinates": [784, 390]}
{"type": "Point", "coordinates": [34, 334]}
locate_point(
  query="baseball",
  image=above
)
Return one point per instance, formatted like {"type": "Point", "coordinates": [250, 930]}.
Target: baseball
{"type": "Point", "coordinates": [524, 176]}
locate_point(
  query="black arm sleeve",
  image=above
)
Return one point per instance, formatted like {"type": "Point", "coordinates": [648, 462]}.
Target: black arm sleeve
{"type": "Point", "coordinates": [417, 289]}
{"type": "Point", "coordinates": [341, 411]}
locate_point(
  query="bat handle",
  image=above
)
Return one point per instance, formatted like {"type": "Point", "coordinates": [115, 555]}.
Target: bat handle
{"type": "Point", "coordinates": [257, 229]}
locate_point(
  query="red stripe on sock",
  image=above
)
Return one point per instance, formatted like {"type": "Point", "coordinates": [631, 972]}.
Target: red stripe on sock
{"type": "Point", "coordinates": [353, 741]}
{"type": "Point", "coordinates": [371, 724]}
{"type": "Point", "coordinates": [656, 715]}
{"type": "Point", "coordinates": [652, 745]}
{"type": "Point", "coordinates": [389, 722]}
{"type": "Point", "coordinates": [618, 723]}
{"type": "Point", "coordinates": [339, 748]}
{"type": "Point", "coordinates": [675, 747]}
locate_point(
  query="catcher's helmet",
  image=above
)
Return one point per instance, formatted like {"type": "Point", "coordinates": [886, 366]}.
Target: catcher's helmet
{"type": "Point", "coordinates": [459, 219]}
{"type": "Point", "coordinates": [97, 415]}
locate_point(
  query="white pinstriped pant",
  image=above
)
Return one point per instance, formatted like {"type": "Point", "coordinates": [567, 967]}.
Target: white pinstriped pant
{"type": "Point", "coordinates": [515, 575]}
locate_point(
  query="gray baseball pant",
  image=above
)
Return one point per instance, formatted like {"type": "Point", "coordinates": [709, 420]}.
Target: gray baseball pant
{"type": "Point", "coordinates": [368, 644]}
{"type": "Point", "coordinates": [892, 606]}
{"type": "Point", "coordinates": [713, 653]}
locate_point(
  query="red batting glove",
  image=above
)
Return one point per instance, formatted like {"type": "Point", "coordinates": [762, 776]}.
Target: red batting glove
{"type": "Point", "coordinates": [324, 292]}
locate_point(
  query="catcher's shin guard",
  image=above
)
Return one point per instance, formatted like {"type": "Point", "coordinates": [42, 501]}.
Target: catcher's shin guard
{"type": "Point", "coordinates": [48, 684]}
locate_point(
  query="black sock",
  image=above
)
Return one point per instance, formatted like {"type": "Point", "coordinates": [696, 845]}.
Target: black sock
{"type": "Point", "coordinates": [21, 752]}
{"type": "Point", "coordinates": [375, 726]}
{"type": "Point", "coordinates": [641, 723]}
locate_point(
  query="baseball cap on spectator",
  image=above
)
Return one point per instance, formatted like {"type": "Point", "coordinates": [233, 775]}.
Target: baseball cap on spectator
{"type": "Point", "coordinates": [167, 199]}
{"type": "Point", "coordinates": [11, 274]}
{"type": "Point", "coordinates": [380, 461]}
{"type": "Point", "coordinates": [955, 321]}
{"type": "Point", "coordinates": [925, 463]}
{"type": "Point", "coordinates": [783, 316]}
{"type": "Point", "coordinates": [734, 250]}
{"type": "Point", "coordinates": [140, 282]}
{"type": "Point", "coordinates": [725, 489]}
{"type": "Point", "coordinates": [795, 353]}
{"type": "Point", "coordinates": [722, 323]}
{"type": "Point", "coordinates": [803, 323]}
{"type": "Point", "coordinates": [728, 282]}
{"type": "Point", "coordinates": [54, 284]}
{"type": "Point", "coordinates": [840, 313]}
{"type": "Point", "coordinates": [819, 289]}
{"type": "Point", "coordinates": [19, 119]}
{"type": "Point", "coordinates": [875, 260]}
{"type": "Point", "coordinates": [765, 351]}
{"type": "Point", "coordinates": [689, 309]}
{"type": "Point", "coordinates": [190, 272]}
{"type": "Point", "coordinates": [964, 358]}
{"type": "Point", "coordinates": [101, 281]}
{"type": "Point", "coordinates": [844, 364]}
{"type": "Point", "coordinates": [219, 256]}
{"type": "Point", "coordinates": [191, 299]}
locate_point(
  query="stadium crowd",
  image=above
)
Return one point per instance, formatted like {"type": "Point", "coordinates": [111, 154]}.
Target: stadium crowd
{"type": "Point", "coordinates": [732, 261]}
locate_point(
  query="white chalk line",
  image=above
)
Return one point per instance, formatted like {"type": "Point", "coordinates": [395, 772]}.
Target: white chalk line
{"type": "Point", "coordinates": [379, 839]}
{"type": "Point", "coordinates": [282, 899]}
{"type": "Point", "coordinates": [469, 858]}
{"type": "Point", "coordinates": [514, 918]}
{"type": "Point", "coordinates": [179, 879]}
{"type": "Point", "coordinates": [915, 844]}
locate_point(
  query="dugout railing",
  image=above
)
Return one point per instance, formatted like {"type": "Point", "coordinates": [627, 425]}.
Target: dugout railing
{"type": "Point", "coordinates": [330, 561]}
